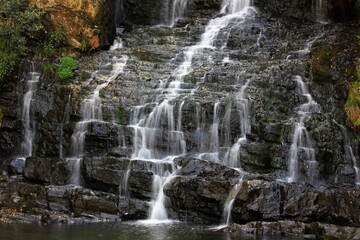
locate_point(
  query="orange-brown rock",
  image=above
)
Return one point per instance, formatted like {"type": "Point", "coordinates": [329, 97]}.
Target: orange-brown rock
{"type": "Point", "coordinates": [85, 23]}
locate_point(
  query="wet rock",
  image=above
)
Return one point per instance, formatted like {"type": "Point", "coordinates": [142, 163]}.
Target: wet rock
{"type": "Point", "coordinates": [294, 228]}
{"type": "Point", "coordinates": [47, 170]}
{"type": "Point", "coordinates": [60, 198]}
{"type": "Point", "coordinates": [200, 187]}
{"type": "Point", "coordinates": [89, 201]}
{"type": "Point", "coordinates": [277, 200]}
{"type": "Point", "coordinates": [105, 173]}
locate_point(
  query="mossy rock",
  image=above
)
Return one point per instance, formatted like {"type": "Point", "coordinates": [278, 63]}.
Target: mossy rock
{"type": "Point", "coordinates": [322, 60]}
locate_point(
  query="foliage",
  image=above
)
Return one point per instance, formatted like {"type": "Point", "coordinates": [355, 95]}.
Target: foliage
{"type": "Point", "coordinates": [67, 67]}
{"type": "Point", "coordinates": [54, 44]}
{"type": "Point", "coordinates": [18, 26]}
{"type": "Point", "coordinates": [352, 105]}
{"type": "Point", "coordinates": [49, 69]}
{"type": "Point", "coordinates": [120, 115]}
{"type": "Point", "coordinates": [7, 64]}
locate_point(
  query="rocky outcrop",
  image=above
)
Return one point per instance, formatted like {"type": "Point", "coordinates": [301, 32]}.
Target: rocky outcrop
{"type": "Point", "coordinates": [28, 203]}
{"type": "Point", "coordinates": [293, 228]}
{"type": "Point", "coordinates": [201, 188]}
{"type": "Point", "coordinates": [85, 24]}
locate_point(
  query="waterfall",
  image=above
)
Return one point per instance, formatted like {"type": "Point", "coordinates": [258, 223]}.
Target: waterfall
{"type": "Point", "coordinates": [158, 127]}
{"type": "Point", "coordinates": [119, 12]}
{"type": "Point", "coordinates": [28, 124]}
{"type": "Point", "coordinates": [226, 217]}
{"type": "Point", "coordinates": [349, 152]}
{"type": "Point", "coordinates": [319, 8]}
{"type": "Point", "coordinates": [91, 111]}
{"type": "Point", "coordinates": [178, 10]}
{"type": "Point", "coordinates": [302, 151]}
{"type": "Point", "coordinates": [234, 6]}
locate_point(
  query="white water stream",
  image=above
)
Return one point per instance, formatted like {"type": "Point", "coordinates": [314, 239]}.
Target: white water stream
{"type": "Point", "coordinates": [91, 111]}
{"type": "Point", "coordinates": [32, 80]}
{"type": "Point", "coordinates": [158, 137]}
{"type": "Point", "coordinates": [302, 152]}
{"type": "Point", "coordinates": [349, 152]}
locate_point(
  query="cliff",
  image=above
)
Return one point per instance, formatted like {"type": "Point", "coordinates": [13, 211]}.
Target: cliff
{"type": "Point", "coordinates": [85, 23]}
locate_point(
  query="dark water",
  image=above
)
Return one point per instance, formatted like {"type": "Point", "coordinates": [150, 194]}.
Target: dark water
{"type": "Point", "coordinates": [120, 231]}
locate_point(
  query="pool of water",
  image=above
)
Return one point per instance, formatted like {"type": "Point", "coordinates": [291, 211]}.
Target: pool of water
{"type": "Point", "coordinates": [119, 231]}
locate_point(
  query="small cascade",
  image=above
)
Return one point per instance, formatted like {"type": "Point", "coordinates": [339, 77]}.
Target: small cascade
{"type": "Point", "coordinates": [234, 6]}
{"type": "Point", "coordinates": [349, 152]}
{"type": "Point", "coordinates": [178, 10]}
{"type": "Point", "coordinates": [302, 152]}
{"type": "Point", "coordinates": [319, 8]}
{"type": "Point", "coordinates": [158, 210]}
{"type": "Point", "coordinates": [229, 203]}
{"type": "Point", "coordinates": [28, 124]}
{"type": "Point", "coordinates": [231, 158]}
{"type": "Point", "coordinates": [91, 111]}
{"type": "Point", "coordinates": [214, 134]}
{"type": "Point", "coordinates": [119, 12]}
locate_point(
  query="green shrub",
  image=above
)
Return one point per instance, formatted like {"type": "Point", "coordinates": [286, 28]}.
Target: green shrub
{"type": "Point", "coordinates": [67, 67]}
{"type": "Point", "coordinates": [18, 25]}
{"type": "Point", "coordinates": [7, 64]}
{"type": "Point", "coordinates": [54, 44]}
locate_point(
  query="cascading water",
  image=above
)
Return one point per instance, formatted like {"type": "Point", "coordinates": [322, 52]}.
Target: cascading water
{"type": "Point", "coordinates": [302, 152]}
{"type": "Point", "coordinates": [226, 218]}
{"type": "Point", "coordinates": [28, 124]}
{"type": "Point", "coordinates": [349, 152]}
{"type": "Point", "coordinates": [320, 10]}
{"type": "Point", "coordinates": [91, 111]}
{"type": "Point", "coordinates": [178, 10]}
{"type": "Point", "coordinates": [157, 137]}
{"type": "Point", "coordinates": [27, 144]}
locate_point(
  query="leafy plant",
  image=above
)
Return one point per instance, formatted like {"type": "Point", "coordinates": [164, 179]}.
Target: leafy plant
{"type": "Point", "coordinates": [7, 64]}
{"type": "Point", "coordinates": [55, 44]}
{"type": "Point", "coordinates": [67, 67]}
{"type": "Point", "coordinates": [18, 25]}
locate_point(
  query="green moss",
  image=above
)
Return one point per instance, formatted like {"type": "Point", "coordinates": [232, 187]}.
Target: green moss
{"type": "Point", "coordinates": [67, 67]}
{"type": "Point", "coordinates": [322, 60]}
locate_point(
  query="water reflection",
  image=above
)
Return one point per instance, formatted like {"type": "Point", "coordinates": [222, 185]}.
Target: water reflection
{"type": "Point", "coordinates": [119, 231]}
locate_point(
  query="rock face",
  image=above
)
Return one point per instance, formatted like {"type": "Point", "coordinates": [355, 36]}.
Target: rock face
{"type": "Point", "coordinates": [85, 24]}
{"type": "Point", "coordinates": [241, 103]}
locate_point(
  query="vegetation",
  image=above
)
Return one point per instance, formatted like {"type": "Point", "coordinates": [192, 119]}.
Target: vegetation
{"type": "Point", "coordinates": [352, 105]}
{"type": "Point", "coordinates": [67, 67]}
{"type": "Point", "coordinates": [53, 46]}
{"type": "Point", "coordinates": [18, 26]}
